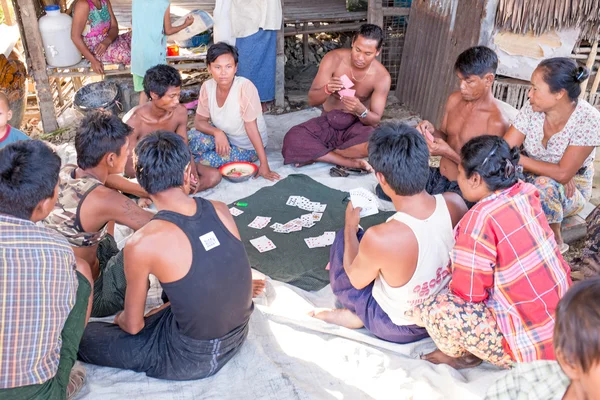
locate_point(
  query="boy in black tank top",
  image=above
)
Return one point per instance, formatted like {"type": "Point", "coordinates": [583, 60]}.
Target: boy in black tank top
{"type": "Point", "coordinates": [192, 246]}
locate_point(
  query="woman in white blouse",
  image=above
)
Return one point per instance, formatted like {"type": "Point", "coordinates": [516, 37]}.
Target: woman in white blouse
{"type": "Point", "coordinates": [559, 133]}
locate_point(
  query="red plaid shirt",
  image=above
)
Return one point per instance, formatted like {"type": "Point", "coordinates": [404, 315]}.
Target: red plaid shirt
{"type": "Point", "coordinates": [506, 256]}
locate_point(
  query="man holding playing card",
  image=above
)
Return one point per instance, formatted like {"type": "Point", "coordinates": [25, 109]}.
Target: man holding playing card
{"type": "Point", "coordinates": [471, 111]}
{"type": "Point", "coordinates": [352, 86]}
{"type": "Point", "coordinates": [192, 246]}
{"type": "Point", "coordinates": [380, 274]}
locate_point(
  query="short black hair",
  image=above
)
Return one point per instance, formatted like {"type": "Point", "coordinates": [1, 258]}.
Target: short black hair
{"type": "Point", "coordinates": [160, 78]}
{"type": "Point", "coordinates": [218, 49]}
{"type": "Point", "coordinates": [370, 31]}
{"type": "Point", "coordinates": [99, 133]}
{"type": "Point", "coordinates": [478, 60]}
{"type": "Point", "coordinates": [493, 159]}
{"type": "Point", "coordinates": [28, 174]}
{"type": "Point", "coordinates": [576, 332]}
{"type": "Point", "coordinates": [160, 161]}
{"type": "Point", "coordinates": [564, 73]}
{"type": "Point", "coordinates": [399, 152]}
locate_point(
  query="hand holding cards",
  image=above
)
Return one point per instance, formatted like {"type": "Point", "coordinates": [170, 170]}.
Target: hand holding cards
{"type": "Point", "coordinates": [360, 197]}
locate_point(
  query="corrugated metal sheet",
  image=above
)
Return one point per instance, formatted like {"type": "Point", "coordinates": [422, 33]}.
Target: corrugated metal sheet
{"type": "Point", "coordinates": [439, 30]}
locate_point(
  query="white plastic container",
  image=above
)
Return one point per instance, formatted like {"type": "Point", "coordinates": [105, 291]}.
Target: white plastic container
{"type": "Point", "coordinates": [55, 28]}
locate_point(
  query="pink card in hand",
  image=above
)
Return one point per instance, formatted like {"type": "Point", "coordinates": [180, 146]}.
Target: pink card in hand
{"type": "Point", "coordinates": [346, 81]}
{"type": "Point", "coordinates": [429, 136]}
{"type": "Point", "coordinates": [347, 92]}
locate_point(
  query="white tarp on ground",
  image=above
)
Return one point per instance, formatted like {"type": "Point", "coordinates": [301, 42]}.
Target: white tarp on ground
{"type": "Point", "coordinates": [289, 355]}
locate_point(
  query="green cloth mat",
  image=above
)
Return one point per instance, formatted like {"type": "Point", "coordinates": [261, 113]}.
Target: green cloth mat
{"type": "Point", "coordinates": [292, 261]}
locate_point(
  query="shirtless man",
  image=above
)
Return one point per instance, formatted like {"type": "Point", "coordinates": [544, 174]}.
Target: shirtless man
{"type": "Point", "coordinates": [86, 209]}
{"type": "Point", "coordinates": [341, 134]}
{"type": "Point", "coordinates": [162, 85]}
{"type": "Point", "coordinates": [472, 111]}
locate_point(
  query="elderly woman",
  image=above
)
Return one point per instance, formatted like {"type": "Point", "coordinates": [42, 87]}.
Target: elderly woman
{"type": "Point", "coordinates": [237, 130]}
{"type": "Point", "coordinates": [559, 134]}
{"type": "Point", "coordinates": [95, 32]}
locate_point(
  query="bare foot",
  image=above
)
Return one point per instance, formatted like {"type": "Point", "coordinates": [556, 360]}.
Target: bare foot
{"type": "Point", "coordinates": [438, 357]}
{"type": "Point", "coordinates": [258, 286]}
{"type": "Point", "coordinates": [340, 316]}
{"type": "Point", "coordinates": [304, 164]}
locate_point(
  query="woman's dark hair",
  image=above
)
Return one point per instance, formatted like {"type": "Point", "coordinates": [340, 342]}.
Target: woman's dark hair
{"type": "Point", "coordinates": [218, 49]}
{"type": "Point", "coordinates": [564, 73]}
{"type": "Point", "coordinates": [493, 159]}
{"type": "Point", "coordinates": [576, 333]}
{"type": "Point", "coordinates": [28, 174]}
{"type": "Point", "coordinates": [399, 152]}
{"type": "Point", "coordinates": [160, 78]}
{"type": "Point", "coordinates": [160, 160]}
{"type": "Point", "coordinates": [100, 133]}
{"type": "Point", "coordinates": [370, 31]}
{"type": "Point", "coordinates": [479, 60]}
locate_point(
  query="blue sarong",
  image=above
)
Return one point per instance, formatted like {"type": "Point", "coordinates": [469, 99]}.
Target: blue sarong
{"type": "Point", "coordinates": [257, 60]}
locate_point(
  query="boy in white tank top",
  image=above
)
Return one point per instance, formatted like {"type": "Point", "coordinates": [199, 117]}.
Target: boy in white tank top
{"type": "Point", "coordinates": [379, 274]}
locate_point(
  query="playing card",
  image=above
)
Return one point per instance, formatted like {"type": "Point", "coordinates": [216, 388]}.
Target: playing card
{"type": "Point", "coordinates": [235, 211]}
{"type": "Point", "coordinates": [316, 216]}
{"type": "Point", "coordinates": [346, 81]}
{"type": "Point", "coordinates": [347, 92]}
{"type": "Point", "coordinates": [328, 238]}
{"type": "Point", "coordinates": [320, 208]}
{"type": "Point", "coordinates": [312, 243]}
{"type": "Point", "coordinates": [307, 221]}
{"type": "Point", "coordinates": [292, 200]}
{"type": "Point", "coordinates": [259, 222]}
{"type": "Point", "coordinates": [429, 136]}
{"type": "Point", "coordinates": [364, 199]}
{"type": "Point", "coordinates": [276, 226]}
{"type": "Point", "coordinates": [263, 244]}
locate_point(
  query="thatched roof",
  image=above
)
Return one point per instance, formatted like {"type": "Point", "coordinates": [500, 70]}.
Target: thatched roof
{"type": "Point", "coordinates": [539, 16]}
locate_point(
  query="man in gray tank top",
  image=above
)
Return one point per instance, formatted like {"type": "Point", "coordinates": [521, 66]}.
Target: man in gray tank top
{"type": "Point", "coordinates": [379, 274]}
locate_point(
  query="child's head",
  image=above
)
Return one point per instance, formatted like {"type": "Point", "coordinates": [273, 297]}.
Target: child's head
{"type": "Point", "coordinates": [28, 179]}
{"type": "Point", "coordinates": [5, 113]}
{"type": "Point", "coordinates": [162, 85]}
{"type": "Point", "coordinates": [398, 153]}
{"type": "Point", "coordinates": [102, 138]}
{"type": "Point", "coordinates": [487, 164]}
{"type": "Point", "coordinates": [577, 336]}
{"type": "Point", "coordinates": [162, 161]}
{"type": "Point", "coordinates": [222, 60]}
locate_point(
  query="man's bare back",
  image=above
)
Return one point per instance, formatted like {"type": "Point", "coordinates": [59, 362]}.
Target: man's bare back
{"type": "Point", "coordinates": [143, 122]}
{"type": "Point", "coordinates": [464, 120]}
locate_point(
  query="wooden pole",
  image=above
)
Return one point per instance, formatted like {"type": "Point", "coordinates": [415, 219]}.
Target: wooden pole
{"type": "Point", "coordinates": [36, 62]}
{"type": "Point", "coordinates": [305, 43]}
{"type": "Point", "coordinates": [280, 63]}
{"type": "Point", "coordinates": [595, 84]}
{"type": "Point", "coordinates": [589, 65]}
{"type": "Point", "coordinates": [375, 15]}
{"type": "Point", "coordinates": [6, 11]}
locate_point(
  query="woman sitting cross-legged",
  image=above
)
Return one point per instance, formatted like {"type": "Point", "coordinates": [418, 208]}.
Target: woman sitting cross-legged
{"type": "Point", "coordinates": [507, 274]}
{"type": "Point", "coordinates": [237, 130]}
{"type": "Point", "coordinates": [559, 133]}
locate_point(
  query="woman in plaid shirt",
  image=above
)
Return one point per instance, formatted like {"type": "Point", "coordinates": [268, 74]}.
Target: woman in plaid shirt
{"type": "Point", "coordinates": [507, 271]}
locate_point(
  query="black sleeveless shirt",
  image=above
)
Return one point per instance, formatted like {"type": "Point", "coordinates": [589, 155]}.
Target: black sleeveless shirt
{"type": "Point", "coordinates": [215, 296]}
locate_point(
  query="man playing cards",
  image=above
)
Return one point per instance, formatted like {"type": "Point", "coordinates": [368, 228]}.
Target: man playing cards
{"type": "Point", "coordinates": [193, 247]}
{"type": "Point", "coordinates": [352, 86]}
{"type": "Point", "coordinates": [380, 274]}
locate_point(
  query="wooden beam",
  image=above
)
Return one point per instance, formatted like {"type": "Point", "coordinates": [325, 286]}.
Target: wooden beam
{"type": "Point", "coordinates": [375, 12]}
{"type": "Point", "coordinates": [589, 65]}
{"type": "Point", "coordinates": [6, 11]}
{"type": "Point", "coordinates": [396, 11]}
{"type": "Point", "coordinates": [305, 43]}
{"type": "Point", "coordinates": [280, 65]}
{"type": "Point", "coordinates": [36, 62]}
{"type": "Point", "coordinates": [595, 84]}
{"type": "Point", "coordinates": [293, 31]}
